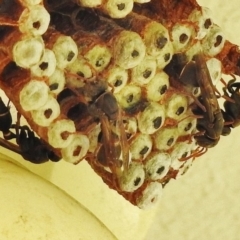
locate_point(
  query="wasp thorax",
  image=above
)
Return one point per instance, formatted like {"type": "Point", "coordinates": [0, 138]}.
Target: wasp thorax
{"type": "Point", "coordinates": [77, 112]}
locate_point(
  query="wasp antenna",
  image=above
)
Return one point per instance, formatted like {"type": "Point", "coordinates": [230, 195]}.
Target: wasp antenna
{"type": "Point", "coordinates": [223, 82]}
{"type": "Point", "coordinates": [218, 94]}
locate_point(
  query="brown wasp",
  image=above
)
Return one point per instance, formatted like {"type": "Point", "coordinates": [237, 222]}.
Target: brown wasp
{"type": "Point", "coordinates": [5, 121]}
{"type": "Point", "coordinates": [195, 73]}
{"type": "Point", "coordinates": [232, 104]}
{"type": "Point", "coordinates": [89, 105]}
{"type": "Point", "coordinates": [30, 147]}
{"type": "Point", "coordinates": [212, 122]}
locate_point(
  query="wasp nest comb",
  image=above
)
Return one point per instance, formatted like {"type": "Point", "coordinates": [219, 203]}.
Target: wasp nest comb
{"type": "Point", "coordinates": [129, 86]}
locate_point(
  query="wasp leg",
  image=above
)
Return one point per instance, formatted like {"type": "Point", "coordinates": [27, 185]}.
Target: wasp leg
{"type": "Point", "coordinates": [10, 146]}
{"type": "Point", "coordinates": [124, 143]}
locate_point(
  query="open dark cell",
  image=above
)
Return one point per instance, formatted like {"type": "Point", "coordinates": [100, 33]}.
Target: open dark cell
{"type": "Point", "coordinates": [36, 25]}
{"type": "Point", "coordinates": [160, 170]}
{"type": "Point", "coordinates": [144, 150]}
{"type": "Point", "coordinates": [48, 113]}
{"type": "Point", "coordinates": [99, 62]}
{"type": "Point", "coordinates": [183, 38]}
{"type": "Point", "coordinates": [147, 73]}
{"type": "Point", "coordinates": [180, 111]}
{"type": "Point", "coordinates": [64, 135]}
{"type": "Point", "coordinates": [188, 127]}
{"type": "Point", "coordinates": [170, 141]}
{"type": "Point", "coordinates": [130, 98]}
{"type": "Point", "coordinates": [163, 89]}
{"type": "Point", "coordinates": [185, 155]}
{"type": "Point", "coordinates": [157, 122]}
{"type": "Point", "coordinates": [80, 74]}
{"type": "Point", "coordinates": [43, 66]}
{"type": "Point", "coordinates": [53, 86]}
{"type": "Point", "coordinates": [121, 6]}
{"type": "Point", "coordinates": [70, 56]}
{"type": "Point", "coordinates": [135, 53]}
{"type": "Point", "coordinates": [167, 57]}
{"type": "Point", "coordinates": [218, 41]}
{"type": "Point", "coordinates": [118, 82]}
{"type": "Point", "coordinates": [161, 42]}
{"type": "Point", "coordinates": [207, 23]}
{"type": "Point", "coordinates": [77, 151]}
{"type": "Point", "coordinates": [137, 181]}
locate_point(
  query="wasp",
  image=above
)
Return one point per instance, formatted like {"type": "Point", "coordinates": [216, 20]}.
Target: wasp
{"type": "Point", "coordinates": [212, 123]}
{"type": "Point", "coordinates": [194, 73]}
{"type": "Point", "coordinates": [232, 104]}
{"type": "Point", "coordinates": [5, 121]}
{"type": "Point", "coordinates": [30, 147]}
{"type": "Point", "coordinates": [95, 102]}
{"type": "Point", "coordinates": [114, 140]}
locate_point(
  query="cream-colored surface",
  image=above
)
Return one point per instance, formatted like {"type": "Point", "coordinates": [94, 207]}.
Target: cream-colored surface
{"type": "Point", "coordinates": [123, 219]}
{"type": "Point", "coordinates": [204, 204]}
{"type": "Point", "coordinates": [31, 208]}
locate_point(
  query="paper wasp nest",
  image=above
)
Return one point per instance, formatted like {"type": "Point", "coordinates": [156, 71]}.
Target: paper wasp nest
{"type": "Point", "coordinates": [126, 85]}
